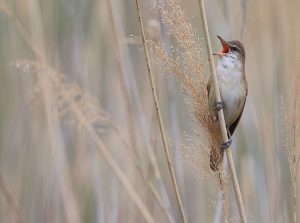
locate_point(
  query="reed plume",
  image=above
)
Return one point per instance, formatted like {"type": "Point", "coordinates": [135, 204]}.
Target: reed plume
{"type": "Point", "coordinates": [186, 64]}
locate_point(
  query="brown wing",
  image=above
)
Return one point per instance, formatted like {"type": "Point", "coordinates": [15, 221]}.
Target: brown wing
{"type": "Point", "coordinates": [236, 122]}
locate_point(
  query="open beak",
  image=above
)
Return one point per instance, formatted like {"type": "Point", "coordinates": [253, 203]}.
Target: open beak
{"type": "Point", "coordinates": [225, 46]}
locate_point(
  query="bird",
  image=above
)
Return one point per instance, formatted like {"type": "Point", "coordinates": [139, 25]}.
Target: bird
{"type": "Point", "coordinates": [233, 87]}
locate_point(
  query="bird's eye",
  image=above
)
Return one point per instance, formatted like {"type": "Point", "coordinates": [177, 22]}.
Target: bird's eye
{"type": "Point", "coordinates": [234, 48]}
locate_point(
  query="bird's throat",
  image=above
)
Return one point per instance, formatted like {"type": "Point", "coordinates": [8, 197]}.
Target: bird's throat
{"type": "Point", "coordinates": [230, 67]}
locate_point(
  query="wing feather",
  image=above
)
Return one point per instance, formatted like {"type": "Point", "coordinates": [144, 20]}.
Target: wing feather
{"type": "Point", "coordinates": [236, 122]}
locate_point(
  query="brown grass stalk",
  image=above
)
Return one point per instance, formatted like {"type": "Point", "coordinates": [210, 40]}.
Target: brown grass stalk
{"type": "Point", "coordinates": [221, 116]}
{"type": "Point", "coordinates": [161, 126]}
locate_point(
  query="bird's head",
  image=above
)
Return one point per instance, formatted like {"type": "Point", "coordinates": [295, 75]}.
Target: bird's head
{"type": "Point", "coordinates": [233, 49]}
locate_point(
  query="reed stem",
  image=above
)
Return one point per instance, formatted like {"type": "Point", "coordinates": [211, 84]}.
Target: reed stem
{"type": "Point", "coordinates": [161, 125]}
{"type": "Point", "coordinates": [221, 116]}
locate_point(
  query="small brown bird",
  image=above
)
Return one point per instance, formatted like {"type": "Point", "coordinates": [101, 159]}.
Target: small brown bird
{"type": "Point", "coordinates": [233, 89]}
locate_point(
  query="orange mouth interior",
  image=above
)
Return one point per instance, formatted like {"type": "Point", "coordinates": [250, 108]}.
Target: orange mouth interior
{"type": "Point", "coordinates": [225, 48]}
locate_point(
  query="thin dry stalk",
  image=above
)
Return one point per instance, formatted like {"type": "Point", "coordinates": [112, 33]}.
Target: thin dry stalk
{"type": "Point", "coordinates": [161, 126]}
{"type": "Point", "coordinates": [117, 33]}
{"type": "Point", "coordinates": [295, 159]}
{"type": "Point", "coordinates": [120, 65]}
{"type": "Point", "coordinates": [289, 143]}
{"type": "Point", "coordinates": [290, 130]}
{"type": "Point", "coordinates": [221, 116]}
{"type": "Point", "coordinates": [150, 185]}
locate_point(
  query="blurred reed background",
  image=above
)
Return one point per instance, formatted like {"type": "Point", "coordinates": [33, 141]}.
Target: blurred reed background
{"type": "Point", "coordinates": [51, 169]}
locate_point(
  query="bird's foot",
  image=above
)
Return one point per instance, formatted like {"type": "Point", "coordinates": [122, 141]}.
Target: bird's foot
{"type": "Point", "coordinates": [219, 105]}
{"type": "Point", "coordinates": [225, 145]}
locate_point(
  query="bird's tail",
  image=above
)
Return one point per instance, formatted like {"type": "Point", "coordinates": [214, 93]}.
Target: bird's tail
{"type": "Point", "coordinates": [216, 158]}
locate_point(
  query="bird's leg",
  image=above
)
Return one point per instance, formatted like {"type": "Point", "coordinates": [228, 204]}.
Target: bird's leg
{"type": "Point", "coordinates": [219, 105]}
{"type": "Point", "coordinates": [226, 145]}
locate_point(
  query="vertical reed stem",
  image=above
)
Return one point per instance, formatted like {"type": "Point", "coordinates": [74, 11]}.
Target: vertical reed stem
{"type": "Point", "coordinates": [161, 126]}
{"type": "Point", "coordinates": [221, 116]}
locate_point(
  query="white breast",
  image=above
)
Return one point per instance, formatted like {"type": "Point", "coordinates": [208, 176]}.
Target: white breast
{"type": "Point", "coordinates": [232, 89]}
